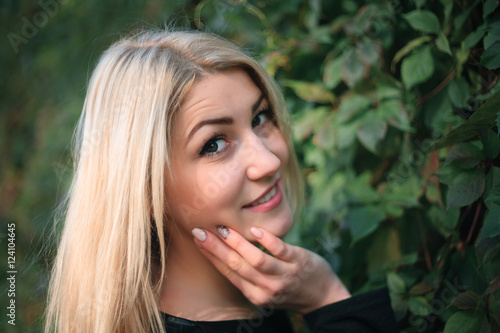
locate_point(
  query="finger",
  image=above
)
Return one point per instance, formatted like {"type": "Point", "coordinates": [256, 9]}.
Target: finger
{"type": "Point", "coordinates": [249, 252]}
{"type": "Point", "coordinates": [232, 261]}
{"type": "Point", "coordinates": [275, 245]}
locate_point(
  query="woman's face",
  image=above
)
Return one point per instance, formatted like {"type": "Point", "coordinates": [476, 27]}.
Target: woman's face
{"type": "Point", "coordinates": [229, 159]}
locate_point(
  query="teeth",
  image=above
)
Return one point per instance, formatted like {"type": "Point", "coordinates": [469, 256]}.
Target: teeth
{"type": "Point", "coordinates": [266, 198]}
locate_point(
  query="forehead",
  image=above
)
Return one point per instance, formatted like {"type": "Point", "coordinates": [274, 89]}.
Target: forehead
{"type": "Point", "coordinates": [227, 91]}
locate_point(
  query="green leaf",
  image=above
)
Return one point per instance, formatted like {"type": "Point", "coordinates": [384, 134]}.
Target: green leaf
{"type": "Point", "coordinates": [458, 92]}
{"type": "Point", "coordinates": [417, 68]}
{"type": "Point", "coordinates": [332, 74]}
{"type": "Point", "coordinates": [489, 7]}
{"type": "Point", "coordinates": [362, 221]}
{"type": "Point", "coordinates": [444, 221]}
{"type": "Point", "coordinates": [474, 37]}
{"type": "Point", "coordinates": [460, 19]}
{"type": "Point", "coordinates": [491, 57]}
{"type": "Point", "coordinates": [491, 144]}
{"type": "Point", "coordinates": [490, 39]}
{"type": "Point", "coordinates": [384, 250]}
{"type": "Point", "coordinates": [394, 112]}
{"type": "Point", "coordinates": [466, 322]}
{"type": "Point", "coordinates": [498, 122]}
{"type": "Point", "coordinates": [309, 121]}
{"type": "Point", "coordinates": [466, 154]}
{"type": "Point", "coordinates": [353, 69]}
{"type": "Point", "coordinates": [467, 188]}
{"type": "Point", "coordinates": [369, 51]}
{"type": "Point", "coordinates": [484, 117]}
{"type": "Point", "coordinates": [351, 106]}
{"type": "Point", "coordinates": [414, 44]}
{"type": "Point", "coordinates": [395, 283]}
{"type": "Point", "coordinates": [371, 131]}
{"type": "Point", "coordinates": [448, 7]}
{"type": "Point", "coordinates": [487, 248]}
{"type": "Point", "coordinates": [311, 92]}
{"type": "Point", "coordinates": [423, 20]}
{"type": "Point", "coordinates": [466, 300]}
{"type": "Point", "coordinates": [443, 44]}
{"type": "Point", "coordinates": [491, 224]}
{"type": "Point", "coordinates": [419, 306]}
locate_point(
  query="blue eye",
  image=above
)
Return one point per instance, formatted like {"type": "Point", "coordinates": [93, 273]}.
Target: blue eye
{"type": "Point", "coordinates": [214, 146]}
{"type": "Point", "coordinates": [260, 118]}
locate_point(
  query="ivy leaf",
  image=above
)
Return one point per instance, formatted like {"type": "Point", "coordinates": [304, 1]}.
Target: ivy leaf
{"type": "Point", "coordinates": [465, 300]}
{"type": "Point", "coordinates": [332, 74]}
{"type": "Point", "coordinates": [498, 122]}
{"type": "Point", "coordinates": [423, 20]}
{"type": "Point", "coordinates": [369, 51]}
{"type": "Point", "coordinates": [468, 187]}
{"type": "Point", "coordinates": [394, 112]}
{"type": "Point", "coordinates": [482, 118]}
{"type": "Point", "coordinates": [458, 92]}
{"type": "Point", "coordinates": [362, 221]}
{"type": "Point", "coordinates": [353, 69]}
{"type": "Point", "coordinates": [444, 222]}
{"type": "Point", "coordinates": [395, 283]}
{"type": "Point", "coordinates": [371, 131]}
{"type": "Point", "coordinates": [491, 224]}
{"type": "Point", "coordinates": [414, 44]}
{"type": "Point", "coordinates": [491, 144]}
{"type": "Point", "coordinates": [419, 306]}
{"type": "Point", "coordinates": [311, 92]}
{"type": "Point", "coordinates": [466, 154]}
{"type": "Point", "coordinates": [351, 106]}
{"type": "Point", "coordinates": [491, 57]}
{"type": "Point", "coordinates": [474, 37]}
{"type": "Point", "coordinates": [489, 7]}
{"type": "Point", "coordinates": [417, 68]}
{"type": "Point", "coordinates": [487, 248]}
{"type": "Point", "coordinates": [443, 44]}
{"type": "Point", "coordinates": [466, 322]}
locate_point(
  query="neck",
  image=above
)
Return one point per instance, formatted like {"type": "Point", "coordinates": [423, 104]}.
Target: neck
{"type": "Point", "coordinates": [194, 289]}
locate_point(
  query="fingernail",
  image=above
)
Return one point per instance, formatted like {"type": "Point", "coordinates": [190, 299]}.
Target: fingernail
{"type": "Point", "coordinates": [223, 231]}
{"type": "Point", "coordinates": [256, 232]}
{"type": "Point", "coordinates": [199, 234]}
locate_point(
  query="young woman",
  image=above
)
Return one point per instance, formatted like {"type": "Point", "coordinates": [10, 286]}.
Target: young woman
{"type": "Point", "coordinates": [184, 163]}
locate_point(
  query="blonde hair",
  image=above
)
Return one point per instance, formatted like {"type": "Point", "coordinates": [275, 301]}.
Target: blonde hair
{"type": "Point", "coordinates": [111, 257]}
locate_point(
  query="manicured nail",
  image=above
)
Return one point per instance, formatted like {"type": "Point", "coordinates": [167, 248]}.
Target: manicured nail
{"type": "Point", "coordinates": [199, 234]}
{"type": "Point", "coordinates": [256, 232]}
{"type": "Point", "coordinates": [223, 231]}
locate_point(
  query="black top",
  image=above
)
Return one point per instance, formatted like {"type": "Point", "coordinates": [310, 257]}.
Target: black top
{"type": "Point", "coordinates": [365, 313]}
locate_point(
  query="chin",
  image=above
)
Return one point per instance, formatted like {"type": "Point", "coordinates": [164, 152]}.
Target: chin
{"type": "Point", "coordinates": [281, 226]}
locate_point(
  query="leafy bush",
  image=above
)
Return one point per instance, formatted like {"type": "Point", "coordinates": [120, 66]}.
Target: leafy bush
{"type": "Point", "coordinates": [396, 119]}
{"type": "Point", "coordinates": [395, 115]}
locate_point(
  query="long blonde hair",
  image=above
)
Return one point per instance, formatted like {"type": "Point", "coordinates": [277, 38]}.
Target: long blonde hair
{"type": "Point", "coordinates": [111, 257]}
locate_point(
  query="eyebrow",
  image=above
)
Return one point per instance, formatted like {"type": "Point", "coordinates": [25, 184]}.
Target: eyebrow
{"type": "Point", "coordinates": [224, 120]}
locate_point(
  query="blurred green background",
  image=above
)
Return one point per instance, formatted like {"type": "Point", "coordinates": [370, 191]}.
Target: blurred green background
{"type": "Point", "coordinates": [396, 120]}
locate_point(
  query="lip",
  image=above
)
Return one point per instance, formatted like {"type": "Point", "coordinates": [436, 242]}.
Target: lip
{"type": "Point", "coordinates": [268, 205]}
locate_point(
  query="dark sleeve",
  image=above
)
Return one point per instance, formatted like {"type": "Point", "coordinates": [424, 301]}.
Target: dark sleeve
{"type": "Point", "coordinates": [369, 312]}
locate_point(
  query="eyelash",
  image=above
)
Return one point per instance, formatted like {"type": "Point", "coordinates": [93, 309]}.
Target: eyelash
{"type": "Point", "coordinates": [216, 136]}
{"type": "Point", "coordinates": [221, 136]}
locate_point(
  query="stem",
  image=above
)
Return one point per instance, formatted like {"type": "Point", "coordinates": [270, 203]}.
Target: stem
{"type": "Point", "coordinates": [439, 87]}
{"type": "Point", "coordinates": [471, 231]}
{"type": "Point", "coordinates": [427, 256]}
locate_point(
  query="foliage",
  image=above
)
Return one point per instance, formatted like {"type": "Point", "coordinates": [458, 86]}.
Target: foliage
{"type": "Point", "coordinates": [396, 120]}
{"type": "Point", "coordinates": [395, 114]}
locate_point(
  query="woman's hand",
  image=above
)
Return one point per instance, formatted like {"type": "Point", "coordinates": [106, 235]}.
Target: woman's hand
{"type": "Point", "coordinates": [294, 279]}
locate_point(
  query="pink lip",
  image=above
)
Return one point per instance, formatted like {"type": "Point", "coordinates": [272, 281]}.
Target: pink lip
{"type": "Point", "coordinates": [269, 205]}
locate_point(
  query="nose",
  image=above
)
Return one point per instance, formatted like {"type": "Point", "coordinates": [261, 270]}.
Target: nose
{"type": "Point", "coordinates": [262, 162]}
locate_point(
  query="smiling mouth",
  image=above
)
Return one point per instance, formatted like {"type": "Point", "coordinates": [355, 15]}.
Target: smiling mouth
{"type": "Point", "coordinates": [264, 199]}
